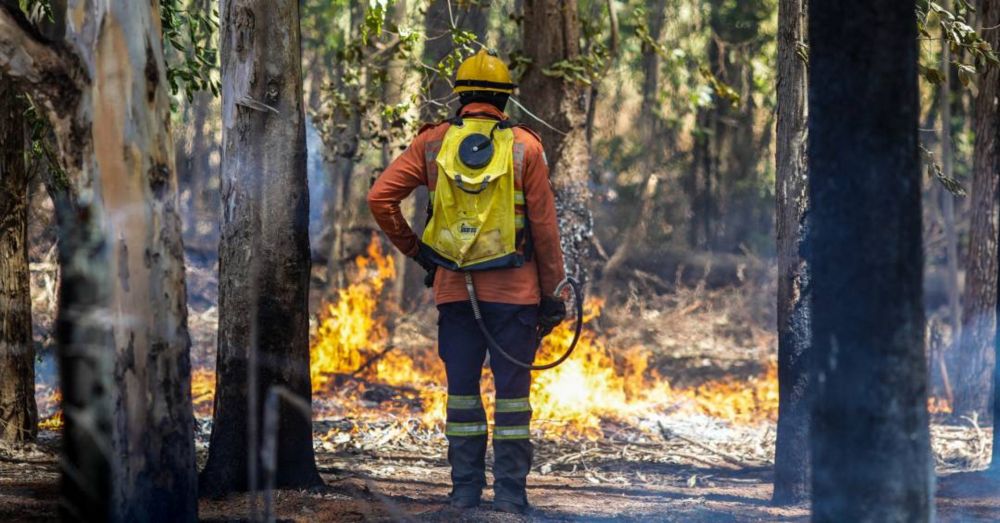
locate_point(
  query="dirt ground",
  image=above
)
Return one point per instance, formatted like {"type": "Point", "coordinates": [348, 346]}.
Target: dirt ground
{"type": "Point", "coordinates": [697, 469]}
{"type": "Point", "coordinates": [393, 486]}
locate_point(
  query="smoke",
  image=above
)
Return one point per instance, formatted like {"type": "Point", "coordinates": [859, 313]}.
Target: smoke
{"type": "Point", "coordinates": [319, 186]}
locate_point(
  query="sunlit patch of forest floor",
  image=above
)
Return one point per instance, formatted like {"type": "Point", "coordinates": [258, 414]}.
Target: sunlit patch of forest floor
{"type": "Point", "coordinates": [381, 460]}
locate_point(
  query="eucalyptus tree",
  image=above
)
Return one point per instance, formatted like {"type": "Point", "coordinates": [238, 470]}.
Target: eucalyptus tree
{"type": "Point", "coordinates": [791, 457]}
{"type": "Point", "coordinates": [869, 437]}
{"type": "Point", "coordinates": [18, 412]}
{"type": "Point", "coordinates": [264, 263]}
{"type": "Point", "coordinates": [101, 83]}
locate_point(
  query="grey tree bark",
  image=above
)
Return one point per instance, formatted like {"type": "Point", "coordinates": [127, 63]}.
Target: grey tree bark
{"type": "Point", "coordinates": [18, 412]}
{"type": "Point", "coordinates": [948, 199]}
{"type": "Point", "coordinates": [791, 457]}
{"type": "Point", "coordinates": [987, 159]}
{"type": "Point", "coordinates": [264, 260]}
{"type": "Point", "coordinates": [869, 436]}
{"type": "Point", "coordinates": [128, 445]}
{"type": "Point", "coordinates": [975, 359]}
{"type": "Point", "coordinates": [551, 33]}
{"type": "Point", "coordinates": [394, 91]}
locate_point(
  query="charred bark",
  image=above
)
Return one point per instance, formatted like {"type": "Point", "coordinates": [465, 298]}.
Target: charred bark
{"type": "Point", "coordinates": [551, 33]}
{"type": "Point", "coordinates": [869, 424]}
{"type": "Point", "coordinates": [791, 456]}
{"type": "Point", "coordinates": [18, 412]}
{"type": "Point", "coordinates": [987, 159]}
{"type": "Point", "coordinates": [264, 253]}
{"type": "Point", "coordinates": [975, 359]}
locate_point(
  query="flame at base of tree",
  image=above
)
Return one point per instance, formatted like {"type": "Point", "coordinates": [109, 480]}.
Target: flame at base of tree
{"type": "Point", "coordinates": [357, 374]}
{"type": "Point", "coordinates": [596, 384]}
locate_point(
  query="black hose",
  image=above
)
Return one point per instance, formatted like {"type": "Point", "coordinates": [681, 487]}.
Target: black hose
{"type": "Point", "coordinates": [578, 298]}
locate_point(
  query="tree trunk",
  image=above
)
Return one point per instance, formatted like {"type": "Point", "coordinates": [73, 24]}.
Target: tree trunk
{"type": "Point", "coordinates": [551, 34]}
{"type": "Point", "coordinates": [18, 413]}
{"type": "Point", "coordinates": [128, 444]}
{"type": "Point", "coordinates": [791, 456]}
{"type": "Point", "coordinates": [987, 159]}
{"type": "Point", "coordinates": [947, 199]}
{"type": "Point", "coordinates": [346, 143]}
{"type": "Point", "coordinates": [651, 117]}
{"type": "Point", "coordinates": [975, 359]}
{"type": "Point", "coordinates": [204, 193]}
{"type": "Point", "coordinates": [869, 424]}
{"type": "Point", "coordinates": [264, 253]}
{"type": "Point", "coordinates": [393, 92]}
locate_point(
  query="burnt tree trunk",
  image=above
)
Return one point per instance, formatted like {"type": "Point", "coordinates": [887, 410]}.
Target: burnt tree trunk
{"type": "Point", "coordinates": [791, 456]}
{"type": "Point", "coordinates": [975, 360]}
{"type": "Point", "coordinates": [264, 253]}
{"type": "Point", "coordinates": [128, 444]}
{"type": "Point", "coordinates": [869, 425]}
{"type": "Point", "coordinates": [987, 159]}
{"type": "Point", "coordinates": [18, 412]}
{"type": "Point", "coordinates": [551, 34]}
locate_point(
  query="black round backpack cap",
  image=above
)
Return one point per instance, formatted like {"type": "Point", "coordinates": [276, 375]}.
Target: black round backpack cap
{"type": "Point", "coordinates": [476, 151]}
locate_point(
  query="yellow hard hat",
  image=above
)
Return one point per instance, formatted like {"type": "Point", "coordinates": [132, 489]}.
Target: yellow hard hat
{"type": "Point", "coordinates": [483, 71]}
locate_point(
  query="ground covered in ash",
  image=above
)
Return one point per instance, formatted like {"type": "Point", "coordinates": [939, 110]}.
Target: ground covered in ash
{"type": "Point", "coordinates": [407, 480]}
{"type": "Point", "coordinates": [381, 462]}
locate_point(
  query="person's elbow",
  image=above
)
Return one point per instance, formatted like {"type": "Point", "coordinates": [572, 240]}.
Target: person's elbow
{"type": "Point", "coordinates": [376, 201]}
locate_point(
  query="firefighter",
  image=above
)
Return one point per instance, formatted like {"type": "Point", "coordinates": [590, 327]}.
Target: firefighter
{"type": "Point", "coordinates": [492, 219]}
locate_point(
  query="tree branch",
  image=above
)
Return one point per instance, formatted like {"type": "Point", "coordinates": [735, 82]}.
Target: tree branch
{"type": "Point", "coordinates": [48, 71]}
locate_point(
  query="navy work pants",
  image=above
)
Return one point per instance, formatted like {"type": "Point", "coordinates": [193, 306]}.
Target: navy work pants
{"type": "Point", "coordinates": [463, 348]}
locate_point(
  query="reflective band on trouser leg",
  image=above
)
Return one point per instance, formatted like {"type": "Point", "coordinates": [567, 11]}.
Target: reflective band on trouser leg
{"type": "Point", "coordinates": [513, 405]}
{"type": "Point", "coordinates": [458, 402]}
{"type": "Point", "coordinates": [474, 428]}
{"type": "Point", "coordinates": [517, 432]}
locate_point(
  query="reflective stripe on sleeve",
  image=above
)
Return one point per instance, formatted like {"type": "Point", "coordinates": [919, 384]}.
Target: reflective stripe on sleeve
{"type": "Point", "coordinates": [475, 428]}
{"type": "Point", "coordinates": [519, 197]}
{"type": "Point", "coordinates": [517, 432]}
{"type": "Point", "coordinates": [513, 405]}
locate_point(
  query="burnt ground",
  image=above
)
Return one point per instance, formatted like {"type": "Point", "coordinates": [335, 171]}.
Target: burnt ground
{"type": "Point", "coordinates": [393, 486]}
{"type": "Point", "coordinates": [702, 469]}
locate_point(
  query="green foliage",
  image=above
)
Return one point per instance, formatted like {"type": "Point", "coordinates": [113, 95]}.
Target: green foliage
{"type": "Point", "coordinates": [934, 171]}
{"type": "Point", "coordinates": [354, 117]}
{"type": "Point", "coordinates": [36, 10]}
{"type": "Point", "coordinates": [936, 23]}
{"type": "Point", "coordinates": [190, 29]}
{"type": "Point", "coordinates": [722, 90]}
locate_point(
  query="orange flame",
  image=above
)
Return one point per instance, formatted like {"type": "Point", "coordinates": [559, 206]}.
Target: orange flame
{"type": "Point", "coordinates": [350, 332]}
{"type": "Point", "coordinates": [203, 391]}
{"type": "Point", "coordinates": [50, 401]}
{"type": "Point", "coordinates": [595, 385]}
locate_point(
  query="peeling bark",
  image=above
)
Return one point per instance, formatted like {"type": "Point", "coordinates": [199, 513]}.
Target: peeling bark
{"type": "Point", "coordinates": [18, 413]}
{"type": "Point", "coordinates": [122, 327]}
{"type": "Point", "coordinates": [264, 252]}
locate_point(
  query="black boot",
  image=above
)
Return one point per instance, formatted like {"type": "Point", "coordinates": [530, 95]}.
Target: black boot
{"type": "Point", "coordinates": [510, 474]}
{"type": "Point", "coordinates": [467, 457]}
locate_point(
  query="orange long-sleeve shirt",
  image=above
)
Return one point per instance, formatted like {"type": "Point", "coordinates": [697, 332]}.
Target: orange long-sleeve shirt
{"type": "Point", "coordinates": [522, 285]}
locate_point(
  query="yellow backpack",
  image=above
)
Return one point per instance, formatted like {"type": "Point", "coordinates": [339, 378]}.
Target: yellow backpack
{"type": "Point", "coordinates": [472, 223]}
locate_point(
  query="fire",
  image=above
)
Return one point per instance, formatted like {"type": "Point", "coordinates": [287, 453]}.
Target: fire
{"type": "Point", "coordinates": [597, 384]}
{"type": "Point", "coordinates": [50, 402]}
{"type": "Point", "coordinates": [203, 391]}
{"type": "Point", "coordinates": [350, 332]}
{"type": "Point", "coordinates": [938, 405]}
